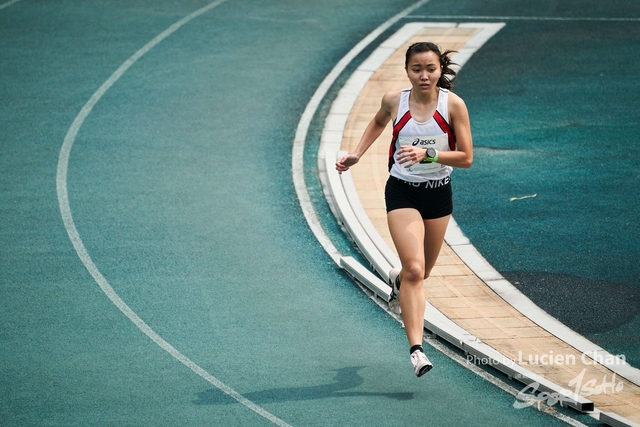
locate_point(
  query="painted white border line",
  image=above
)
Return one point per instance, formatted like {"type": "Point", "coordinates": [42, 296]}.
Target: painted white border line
{"type": "Point", "coordinates": [525, 18]}
{"type": "Point", "coordinates": [76, 240]}
{"type": "Point", "coordinates": [9, 3]}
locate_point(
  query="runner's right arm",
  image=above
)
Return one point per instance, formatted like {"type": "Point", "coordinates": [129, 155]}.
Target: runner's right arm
{"type": "Point", "coordinates": [374, 129]}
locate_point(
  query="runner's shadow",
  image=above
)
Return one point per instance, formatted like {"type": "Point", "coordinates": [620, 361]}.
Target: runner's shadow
{"type": "Point", "coordinates": [345, 379]}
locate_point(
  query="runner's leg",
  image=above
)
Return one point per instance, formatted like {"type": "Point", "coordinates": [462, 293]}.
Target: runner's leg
{"type": "Point", "coordinates": [407, 231]}
{"type": "Point", "coordinates": [435, 230]}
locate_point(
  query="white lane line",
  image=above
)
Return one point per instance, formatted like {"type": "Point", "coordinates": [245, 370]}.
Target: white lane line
{"type": "Point", "coordinates": [299, 140]}
{"type": "Point", "coordinates": [76, 240]}
{"type": "Point", "coordinates": [523, 18]}
{"type": "Point", "coordinates": [9, 3]}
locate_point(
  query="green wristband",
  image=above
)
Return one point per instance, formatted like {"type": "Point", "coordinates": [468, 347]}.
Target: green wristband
{"type": "Point", "coordinates": [432, 155]}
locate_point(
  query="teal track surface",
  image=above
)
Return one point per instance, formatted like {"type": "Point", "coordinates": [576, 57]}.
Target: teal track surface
{"type": "Point", "coordinates": [179, 186]}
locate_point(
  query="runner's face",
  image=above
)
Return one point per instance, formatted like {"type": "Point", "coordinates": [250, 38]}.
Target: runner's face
{"type": "Point", "coordinates": [424, 70]}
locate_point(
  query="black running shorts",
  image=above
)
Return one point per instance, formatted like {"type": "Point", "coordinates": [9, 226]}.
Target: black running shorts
{"type": "Point", "coordinates": [433, 199]}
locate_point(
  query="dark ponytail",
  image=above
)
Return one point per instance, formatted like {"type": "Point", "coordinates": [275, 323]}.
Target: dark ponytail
{"type": "Point", "coordinates": [448, 74]}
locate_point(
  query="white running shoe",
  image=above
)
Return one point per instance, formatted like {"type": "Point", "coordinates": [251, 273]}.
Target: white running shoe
{"type": "Point", "coordinates": [421, 364]}
{"type": "Point", "coordinates": [394, 282]}
{"type": "Point", "coordinates": [394, 306]}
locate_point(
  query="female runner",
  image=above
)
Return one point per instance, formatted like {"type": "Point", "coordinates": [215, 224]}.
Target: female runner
{"type": "Point", "coordinates": [431, 135]}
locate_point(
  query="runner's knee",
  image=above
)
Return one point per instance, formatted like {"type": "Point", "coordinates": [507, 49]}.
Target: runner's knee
{"type": "Point", "coordinates": [413, 272]}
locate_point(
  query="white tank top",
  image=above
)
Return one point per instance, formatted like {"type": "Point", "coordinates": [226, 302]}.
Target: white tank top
{"type": "Point", "coordinates": [436, 133]}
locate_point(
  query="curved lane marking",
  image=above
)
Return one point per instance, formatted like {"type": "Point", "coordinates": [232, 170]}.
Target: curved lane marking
{"type": "Point", "coordinates": [9, 3]}
{"type": "Point", "coordinates": [76, 240]}
{"type": "Point", "coordinates": [526, 18]}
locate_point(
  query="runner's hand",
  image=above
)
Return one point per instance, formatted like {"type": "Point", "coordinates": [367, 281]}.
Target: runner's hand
{"type": "Point", "coordinates": [345, 162]}
{"type": "Point", "coordinates": [409, 155]}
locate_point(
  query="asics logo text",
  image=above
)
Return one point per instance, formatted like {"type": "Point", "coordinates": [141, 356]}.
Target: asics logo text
{"type": "Point", "coordinates": [419, 141]}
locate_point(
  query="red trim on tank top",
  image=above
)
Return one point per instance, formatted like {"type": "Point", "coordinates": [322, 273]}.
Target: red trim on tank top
{"type": "Point", "coordinates": [446, 128]}
{"type": "Point", "coordinates": [396, 131]}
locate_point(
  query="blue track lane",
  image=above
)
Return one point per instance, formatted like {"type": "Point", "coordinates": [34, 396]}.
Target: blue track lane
{"type": "Point", "coordinates": [179, 184]}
